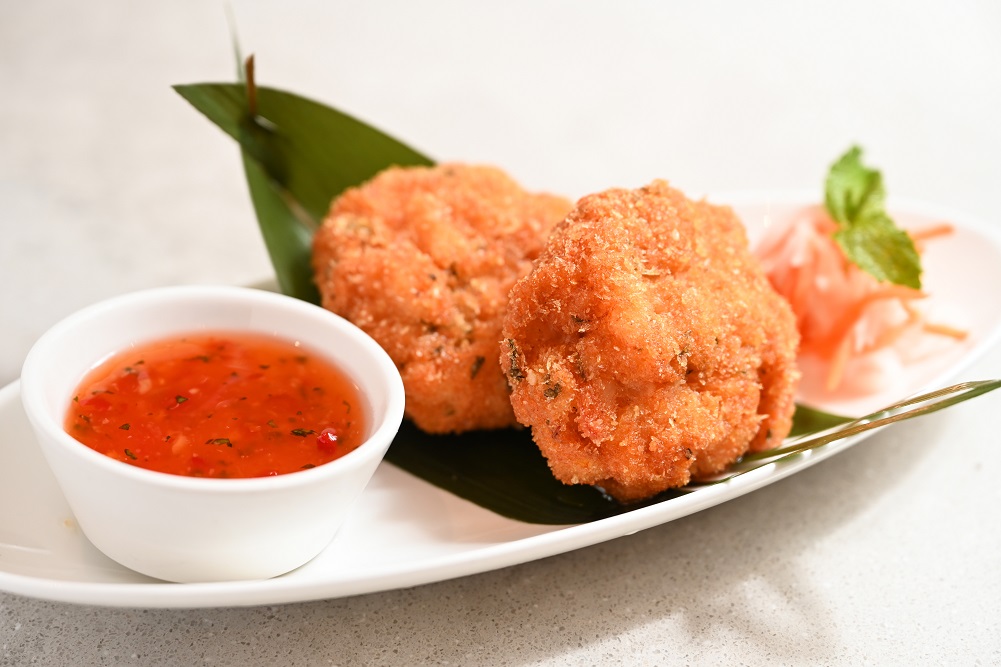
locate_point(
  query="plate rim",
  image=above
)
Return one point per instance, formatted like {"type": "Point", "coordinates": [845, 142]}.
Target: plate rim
{"type": "Point", "coordinates": [560, 539]}
{"type": "Point", "coordinates": [287, 589]}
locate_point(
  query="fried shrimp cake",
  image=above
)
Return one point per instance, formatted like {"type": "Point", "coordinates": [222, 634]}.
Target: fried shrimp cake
{"type": "Point", "coordinates": [423, 259]}
{"type": "Point", "coordinates": [647, 346]}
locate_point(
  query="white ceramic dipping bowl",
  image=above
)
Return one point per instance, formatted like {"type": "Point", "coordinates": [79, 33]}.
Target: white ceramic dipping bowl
{"type": "Point", "coordinates": [188, 529]}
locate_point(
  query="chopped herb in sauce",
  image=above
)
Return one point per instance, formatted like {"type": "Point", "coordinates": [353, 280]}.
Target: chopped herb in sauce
{"type": "Point", "coordinates": [232, 440]}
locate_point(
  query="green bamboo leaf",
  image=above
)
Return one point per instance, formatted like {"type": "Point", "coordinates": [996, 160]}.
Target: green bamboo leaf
{"type": "Point", "coordinates": [298, 155]}
{"type": "Point", "coordinates": [855, 198]}
{"type": "Point", "coordinates": [808, 420]}
{"type": "Point", "coordinates": [915, 406]}
{"type": "Point", "coordinates": [289, 242]}
{"type": "Point", "coordinates": [909, 408]}
{"type": "Point", "coordinates": [504, 472]}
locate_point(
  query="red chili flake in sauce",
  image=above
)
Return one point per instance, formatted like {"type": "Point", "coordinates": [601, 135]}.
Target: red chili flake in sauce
{"type": "Point", "coordinates": [218, 405]}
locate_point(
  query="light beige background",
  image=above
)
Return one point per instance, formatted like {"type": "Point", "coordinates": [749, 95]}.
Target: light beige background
{"type": "Point", "coordinates": [109, 182]}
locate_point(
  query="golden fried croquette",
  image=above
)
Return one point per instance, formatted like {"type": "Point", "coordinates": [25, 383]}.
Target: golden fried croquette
{"type": "Point", "coordinates": [423, 259]}
{"type": "Point", "coordinates": [646, 346]}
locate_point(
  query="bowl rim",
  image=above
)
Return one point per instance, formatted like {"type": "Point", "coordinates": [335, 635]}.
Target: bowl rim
{"type": "Point", "coordinates": [375, 444]}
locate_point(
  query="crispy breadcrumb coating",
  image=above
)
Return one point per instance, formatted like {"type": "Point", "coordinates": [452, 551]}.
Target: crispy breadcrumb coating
{"type": "Point", "coordinates": [422, 259]}
{"type": "Point", "coordinates": [646, 346]}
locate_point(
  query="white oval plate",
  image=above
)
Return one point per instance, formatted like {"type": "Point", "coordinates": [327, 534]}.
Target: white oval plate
{"type": "Point", "coordinates": [405, 532]}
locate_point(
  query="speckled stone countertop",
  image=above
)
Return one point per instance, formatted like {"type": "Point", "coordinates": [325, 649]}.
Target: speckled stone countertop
{"type": "Point", "coordinates": [889, 553]}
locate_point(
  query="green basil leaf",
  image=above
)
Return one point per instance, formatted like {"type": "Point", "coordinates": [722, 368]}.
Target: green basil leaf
{"type": "Point", "coordinates": [853, 192]}
{"type": "Point", "coordinates": [856, 200]}
{"type": "Point", "coordinates": [881, 249]}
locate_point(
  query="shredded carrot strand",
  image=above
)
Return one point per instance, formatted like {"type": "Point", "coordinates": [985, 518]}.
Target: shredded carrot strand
{"type": "Point", "coordinates": [836, 371]}
{"type": "Point", "coordinates": [892, 334]}
{"type": "Point", "coordinates": [944, 330]}
{"type": "Point", "coordinates": [857, 310]}
{"type": "Point", "coordinates": [842, 312]}
{"type": "Point", "coordinates": [923, 235]}
{"type": "Point", "coordinates": [930, 232]}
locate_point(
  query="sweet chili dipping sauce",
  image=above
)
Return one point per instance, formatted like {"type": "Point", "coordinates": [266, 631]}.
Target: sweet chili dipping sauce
{"type": "Point", "coordinates": [218, 405]}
